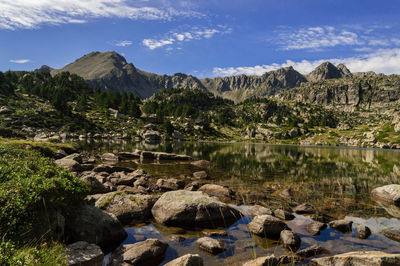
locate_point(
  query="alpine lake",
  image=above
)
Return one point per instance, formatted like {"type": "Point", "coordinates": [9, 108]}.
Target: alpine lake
{"type": "Point", "coordinates": [336, 180]}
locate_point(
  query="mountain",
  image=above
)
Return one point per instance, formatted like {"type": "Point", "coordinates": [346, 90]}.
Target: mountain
{"type": "Point", "coordinates": [328, 71]}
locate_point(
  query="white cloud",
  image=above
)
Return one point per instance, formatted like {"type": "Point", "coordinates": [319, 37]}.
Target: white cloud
{"type": "Point", "coordinates": [122, 43]}
{"type": "Point", "coordinates": [195, 33]}
{"type": "Point", "coordinates": [28, 14]}
{"type": "Point", "coordinates": [382, 61]}
{"type": "Point", "coordinates": [20, 61]}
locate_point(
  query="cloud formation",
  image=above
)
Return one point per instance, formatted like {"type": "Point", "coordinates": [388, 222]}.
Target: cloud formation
{"type": "Point", "coordinates": [20, 61]}
{"type": "Point", "coordinates": [29, 14]}
{"type": "Point", "coordinates": [382, 61]}
{"type": "Point", "coordinates": [122, 43]}
{"type": "Point", "coordinates": [195, 33]}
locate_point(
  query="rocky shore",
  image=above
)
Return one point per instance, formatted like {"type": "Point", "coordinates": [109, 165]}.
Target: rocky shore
{"type": "Point", "coordinates": [124, 196]}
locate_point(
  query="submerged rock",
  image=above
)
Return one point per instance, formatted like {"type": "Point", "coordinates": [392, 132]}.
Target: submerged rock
{"type": "Point", "coordinates": [363, 231]}
{"type": "Point", "coordinates": [270, 260]}
{"type": "Point", "coordinates": [193, 209]}
{"type": "Point", "coordinates": [290, 240]}
{"type": "Point", "coordinates": [150, 252]}
{"type": "Point", "coordinates": [315, 228]}
{"type": "Point", "coordinates": [389, 193]}
{"type": "Point", "coordinates": [369, 258]}
{"type": "Point", "coordinates": [311, 251]}
{"type": "Point", "coordinates": [342, 226]}
{"type": "Point", "coordinates": [83, 253]}
{"type": "Point", "coordinates": [215, 233]}
{"type": "Point", "coordinates": [267, 226]}
{"type": "Point", "coordinates": [211, 245]}
{"type": "Point", "coordinates": [187, 260]}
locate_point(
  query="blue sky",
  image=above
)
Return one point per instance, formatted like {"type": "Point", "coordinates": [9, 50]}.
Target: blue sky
{"type": "Point", "coordinates": [206, 38]}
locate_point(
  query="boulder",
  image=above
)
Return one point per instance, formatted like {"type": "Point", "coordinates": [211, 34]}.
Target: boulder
{"type": "Point", "coordinates": [342, 226]}
{"type": "Point", "coordinates": [369, 258]}
{"type": "Point", "coordinates": [97, 184]}
{"type": "Point", "coordinates": [122, 179]}
{"type": "Point", "coordinates": [311, 251]}
{"type": "Point", "coordinates": [111, 169]}
{"type": "Point", "coordinates": [60, 154]}
{"type": "Point", "coordinates": [90, 224]}
{"type": "Point", "coordinates": [283, 214]}
{"type": "Point", "coordinates": [193, 209]}
{"type": "Point", "coordinates": [170, 184]}
{"type": "Point", "coordinates": [187, 260]}
{"type": "Point", "coordinates": [388, 193]}
{"type": "Point", "coordinates": [290, 240]}
{"type": "Point", "coordinates": [127, 208]}
{"type": "Point", "coordinates": [128, 155]}
{"type": "Point", "coordinates": [315, 228]}
{"type": "Point", "coordinates": [304, 208]}
{"type": "Point", "coordinates": [109, 157]}
{"type": "Point", "coordinates": [392, 234]}
{"type": "Point", "coordinates": [267, 226]}
{"type": "Point", "coordinates": [200, 175]}
{"type": "Point", "coordinates": [270, 260]}
{"type": "Point", "coordinates": [143, 181]}
{"type": "Point", "coordinates": [194, 186]}
{"type": "Point", "coordinates": [222, 193]}
{"type": "Point", "coordinates": [210, 245]}
{"type": "Point", "coordinates": [218, 233]}
{"type": "Point", "coordinates": [323, 218]}
{"type": "Point", "coordinates": [202, 163]}
{"type": "Point", "coordinates": [260, 210]}
{"type": "Point", "coordinates": [363, 232]}
{"type": "Point", "coordinates": [69, 164]}
{"type": "Point", "coordinates": [150, 252]}
{"type": "Point", "coordinates": [84, 254]}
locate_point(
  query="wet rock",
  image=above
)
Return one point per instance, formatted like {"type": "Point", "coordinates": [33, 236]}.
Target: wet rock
{"type": "Point", "coordinates": [84, 254]}
{"type": "Point", "coordinates": [304, 208]}
{"type": "Point", "coordinates": [211, 245]}
{"type": "Point", "coordinates": [267, 226]}
{"type": "Point", "coordinates": [323, 218]}
{"type": "Point", "coordinates": [286, 194]}
{"type": "Point", "coordinates": [311, 251]}
{"type": "Point", "coordinates": [388, 193]}
{"type": "Point", "coordinates": [392, 234]}
{"type": "Point", "coordinates": [193, 209]}
{"type": "Point", "coordinates": [342, 226]}
{"type": "Point", "coordinates": [315, 228]}
{"type": "Point", "coordinates": [111, 169]}
{"type": "Point", "coordinates": [220, 233]}
{"type": "Point", "coordinates": [171, 156]}
{"type": "Point", "coordinates": [369, 258]}
{"type": "Point", "coordinates": [283, 214]}
{"type": "Point", "coordinates": [289, 259]}
{"type": "Point", "coordinates": [222, 193]}
{"type": "Point", "coordinates": [187, 260]}
{"type": "Point", "coordinates": [126, 207]}
{"type": "Point", "coordinates": [194, 186]}
{"type": "Point", "coordinates": [290, 240]}
{"type": "Point", "coordinates": [178, 238]}
{"type": "Point", "coordinates": [150, 252]}
{"type": "Point", "coordinates": [202, 163]}
{"type": "Point", "coordinates": [200, 175]}
{"type": "Point", "coordinates": [270, 260]}
{"type": "Point", "coordinates": [111, 157]}
{"type": "Point", "coordinates": [170, 184]}
{"type": "Point", "coordinates": [260, 210]}
{"type": "Point", "coordinates": [128, 155]}
{"type": "Point", "coordinates": [90, 224]}
{"type": "Point", "coordinates": [363, 232]}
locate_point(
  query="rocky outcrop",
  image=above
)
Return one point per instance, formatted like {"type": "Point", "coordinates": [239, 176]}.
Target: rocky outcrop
{"type": "Point", "coordinates": [267, 226]}
{"type": "Point", "coordinates": [388, 193]}
{"type": "Point", "coordinates": [370, 258]}
{"type": "Point", "coordinates": [84, 254]}
{"type": "Point", "coordinates": [328, 71]}
{"type": "Point", "coordinates": [150, 252]}
{"type": "Point", "coordinates": [193, 209]}
{"type": "Point", "coordinates": [187, 260]}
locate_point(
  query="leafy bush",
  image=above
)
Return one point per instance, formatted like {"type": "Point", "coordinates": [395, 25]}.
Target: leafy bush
{"type": "Point", "coordinates": [28, 183]}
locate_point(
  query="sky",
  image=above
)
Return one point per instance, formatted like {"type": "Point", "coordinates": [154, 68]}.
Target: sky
{"type": "Point", "coordinates": [205, 38]}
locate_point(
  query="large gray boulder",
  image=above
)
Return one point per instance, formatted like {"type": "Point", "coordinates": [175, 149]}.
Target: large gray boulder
{"type": "Point", "coordinates": [187, 260]}
{"type": "Point", "coordinates": [388, 193]}
{"type": "Point", "coordinates": [267, 226]}
{"type": "Point", "coordinates": [359, 258]}
{"type": "Point", "coordinates": [193, 209]}
{"type": "Point", "coordinates": [84, 254]}
{"type": "Point", "coordinates": [127, 208]}
{"type": "Point", "coordinates": [150, 252]}
{"type": "Point", "coordinates": [90, 224]}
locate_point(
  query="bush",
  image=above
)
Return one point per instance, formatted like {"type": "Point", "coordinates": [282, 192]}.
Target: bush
{"type": "Point", "coordinates": [29, 183]}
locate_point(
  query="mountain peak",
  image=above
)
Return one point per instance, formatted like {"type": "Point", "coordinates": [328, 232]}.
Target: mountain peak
{"type": "Point", "coordinates": [325, 71]}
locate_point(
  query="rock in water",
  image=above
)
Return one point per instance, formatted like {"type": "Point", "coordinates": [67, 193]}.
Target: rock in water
{"type": "Point", "coordinates": [263, 261]}
{"type": "Point", "coordinates": [222, 193]}
{"type": "Point", "coordinates": [187, 260]}
{"type": "Point", "coordinates": [202, 163]}
{"type": "Point", "coordinates": [150, 252]}
{"type": "Point", "coordinates": [392, 234]}
{"type": "Point", "coordinates": [267, 226]}
{"type": "Point", "coordinates": [290, 240]}
{"type": "Point", "coordinates": [341, 225]}
{"type": "Point", "coordinates": [315, 228]}
{"type": "Point", "coordinates": [363, 231]}
{"type": "Point", "coordinates": [283, 214]}
{"type": "Point", "coordinates": [211, 245]}
{"type": "Point", "coordinates": [389, 193]}
{"type": "Point", "coordinates": [82, 253]}
{"type": "Point", "coordinates": [367, 258]}
{"type": "Point", "coordinates": [312, 251]}
{"type": "Point", "coordinates": [304, 208]}
{"type": "Point", "coordinates": [193, 209]}
{"type": "Point", "coordinates": [200, 175]}
{"type": "Point", "coordinates": [260, 210]}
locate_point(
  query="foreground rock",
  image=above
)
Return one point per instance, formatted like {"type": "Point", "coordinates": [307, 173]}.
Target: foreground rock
{"type": "Point", "coordinates": [149, 252]}
{"type": "Point", "coordinates": [290, 240]}
{"type": "Point", "coordinates": [211, 245]}
{"type": "Point", "coordinates": [392, 234]}
{"type": "Point", "coordinates": [90, 224]}
{"type": "Point", "coordinates": [389, 193]}
{"type": "Point", "coordinates": [126, 207]}
{"type": "Point", "coordinates": [187, 260]}
{"type": "Point", "coordinates": [363, 232]}
{"type": "Point", "coordinates": [263, 261]}
{"type": "Point", "coordinates": [342, 226]}
{"type": "Point", "coordinates": [267, 226]}
{"type": "Point", "coordinates": [315, 228]}
{"type": "Point", "coordinates": [84, 254]}
{"type": "Point", "coordinates": [369, 258]}
{"type": "Point", "coordinates": [193, 209]}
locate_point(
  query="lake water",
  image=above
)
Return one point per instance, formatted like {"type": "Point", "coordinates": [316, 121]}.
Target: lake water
{"type": "Point", "coordinates": [337, 181]}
